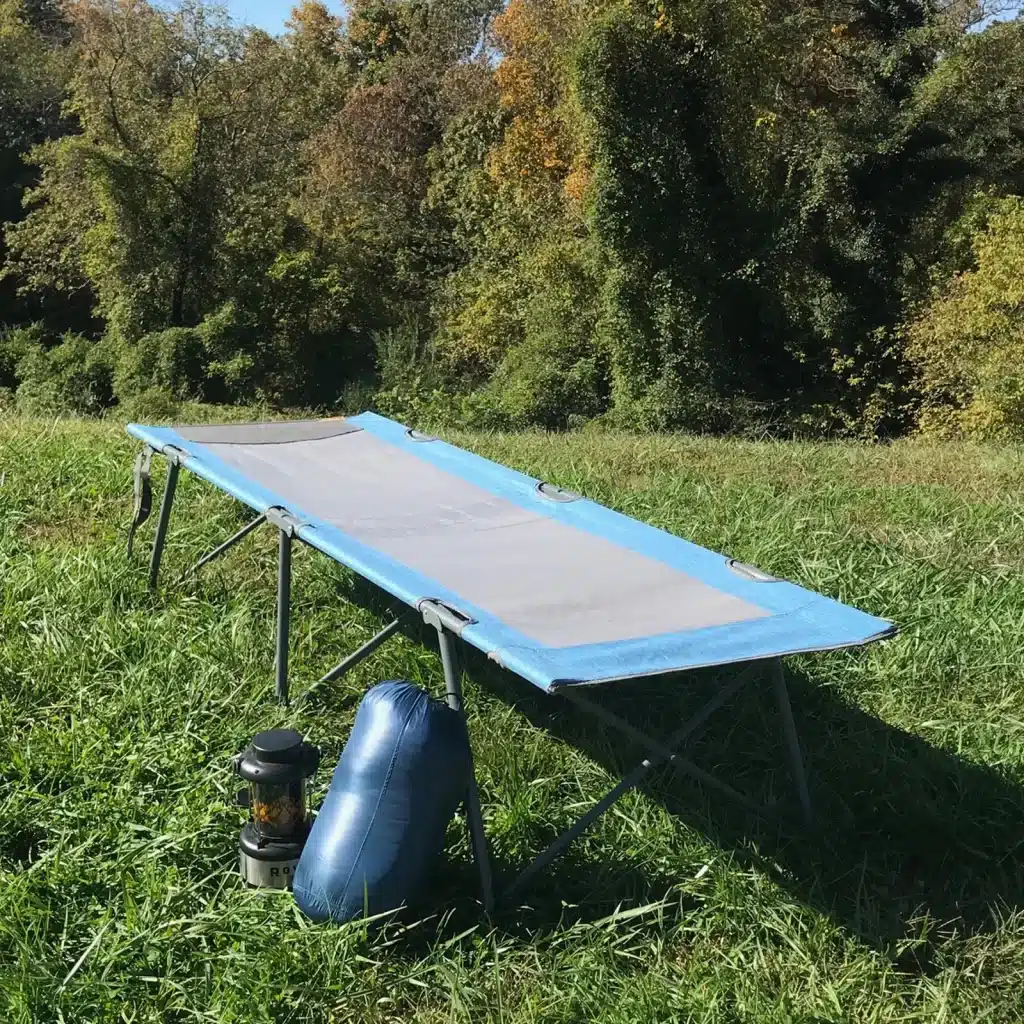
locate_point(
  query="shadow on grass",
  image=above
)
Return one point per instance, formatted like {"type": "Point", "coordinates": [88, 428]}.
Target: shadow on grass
{"type": "Point", "coordinates": [903, 830]}
{"type": "Point", "coordinates": [578, 892]}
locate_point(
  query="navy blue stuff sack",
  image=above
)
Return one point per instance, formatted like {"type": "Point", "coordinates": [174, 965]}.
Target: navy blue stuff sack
{"type": "Point", "coordinates": [401, 777]}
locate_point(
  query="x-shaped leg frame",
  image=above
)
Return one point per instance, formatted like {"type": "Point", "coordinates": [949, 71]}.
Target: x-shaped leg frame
{"type": "Point", "coordinates": [666, 751]}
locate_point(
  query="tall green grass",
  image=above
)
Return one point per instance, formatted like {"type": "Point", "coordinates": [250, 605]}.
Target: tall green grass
{"type": "Point", "coordinates": [120, 711]}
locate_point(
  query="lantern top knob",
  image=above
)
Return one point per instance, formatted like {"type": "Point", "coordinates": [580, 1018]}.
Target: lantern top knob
{"type": "Point", "coordinates": [277, 755]}
{"type": "Point", "coordinates": [278, 746]}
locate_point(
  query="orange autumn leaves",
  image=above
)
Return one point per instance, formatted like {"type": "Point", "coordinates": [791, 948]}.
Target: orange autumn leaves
{"type": "Point", "coordinates": [540, 155]}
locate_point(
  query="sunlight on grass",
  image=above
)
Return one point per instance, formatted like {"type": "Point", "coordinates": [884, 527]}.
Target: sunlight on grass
{"type": "Point", "coordinates": [120, 711]}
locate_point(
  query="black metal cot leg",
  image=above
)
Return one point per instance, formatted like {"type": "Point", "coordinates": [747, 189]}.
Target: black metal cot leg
{"type": "Point", "coordinates": [161, 527]}
{"type": "Point", "coordinates": [796, 759]}
{"type": "Point", "coordinates": [353, 659]}
{"type": "Point", "coordinates": [230, 542]}
{"type": "Point", "coordinates": [478, 839]}
{"type": "Point", "coordinates": [364, 652]}
{"type": "Point", "coordinates": [678, 762]}
{"type": "Point", "coordinates": [284, 588]}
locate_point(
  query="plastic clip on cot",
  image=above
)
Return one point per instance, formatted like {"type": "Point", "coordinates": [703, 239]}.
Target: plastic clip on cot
{"type": "Point", "coordinates": [401, 776]}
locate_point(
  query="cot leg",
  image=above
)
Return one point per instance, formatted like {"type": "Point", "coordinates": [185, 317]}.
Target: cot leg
{"type": "Point", "coordinates": [230, 542]}
{"type": "Point", "coordinates": [357, 656]}
{"type": "Point", "coordinates": [161, 527]}
{"type": "Point", "coordinates": [678, 762]}
{"type": "Point", "coordinates": [284, 591]}
{"type": "Point", "coordinates": [796, 759]}
{"type": "Point", "coordinates": [453, 688]}
{"type": "Point", "coordinates": [364, 652]}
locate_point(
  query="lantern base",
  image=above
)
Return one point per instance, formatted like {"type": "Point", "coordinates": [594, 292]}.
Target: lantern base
{"type": "Point", "coordinates": [270, 864]}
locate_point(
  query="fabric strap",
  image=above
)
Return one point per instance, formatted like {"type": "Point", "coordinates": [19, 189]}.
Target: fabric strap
{"type": "Point", "coordinates": [143, 494]}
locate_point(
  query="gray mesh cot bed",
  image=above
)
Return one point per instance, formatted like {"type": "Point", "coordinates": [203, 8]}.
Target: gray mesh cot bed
{"type": "Point", "coordinates": [551, 586]}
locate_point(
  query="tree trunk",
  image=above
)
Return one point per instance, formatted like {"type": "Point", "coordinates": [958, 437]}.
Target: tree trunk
{"type": "Point", "coordinates": [178, 294]}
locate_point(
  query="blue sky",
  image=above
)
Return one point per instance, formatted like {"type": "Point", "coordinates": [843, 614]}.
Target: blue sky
{"type": "Point", "coordinates": [269, 15]}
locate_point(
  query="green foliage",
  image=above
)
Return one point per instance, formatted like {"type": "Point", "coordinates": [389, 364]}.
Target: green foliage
{"type": "Point", "coordinates": [15, 344]}
{"type": "Point", "coordinates": [969, 342]}
{"type": "Point", "coordinates": [756, 170]}
{"type": "Point", "coordinates": [410, 385]}
{"type": "Point", "coordinates": [460, 192]}
{"type": "Point", "coordinates": [175, 202]}
{"type": "Point", "coordinates": [700, 215]}
{"type": "Point", "coordinates": [540, 382]}
{"type": "Point", "coordinates": [31, 74]}
{"type": "Point", "coordinates": [525, 337]}
{"type": "Point", "coordinates": [174, 360]}
{"type": "Point", "coordinates": [662, 377]}
{"type": "Point", "coordinates": [73, 376]}
{"type": "Point", "coordinates": [151, 406]}
{"type": "Point", "coordinates": [975, 97]}
{"type": "Point", "coordinates": [556, 374]}
{"type": "Point", "coordinates": [154, 130]}
{"type": "Point", "coordinates": [33, 70]}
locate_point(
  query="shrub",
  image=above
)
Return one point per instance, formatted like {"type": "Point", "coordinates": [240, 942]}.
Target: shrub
{"type": "Point", "coordinates": [481, 317]}
{"type": "Point", "coordinates": [968, 344]}
{"type": "Point", "coordinates": [662, 376]}
{"type": "Point", "coordinates": [151, 405]}
{"type": "Point", "coordinates": [410, 387]}
{"type": "Point", "coordinates": [15, 344]}
{"type": "Point", "coordinates": [547, 383]}
{"type": "Point", "coordinates": [75, 376]}
{"type": "Point", "coordinates": [529, 329]}
{"type": "Point", "coordinates": [173, 361]}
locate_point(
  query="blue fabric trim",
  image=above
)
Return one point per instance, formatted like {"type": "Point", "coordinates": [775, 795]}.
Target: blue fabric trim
{"type": "Point", "coordinates": [801, 620]}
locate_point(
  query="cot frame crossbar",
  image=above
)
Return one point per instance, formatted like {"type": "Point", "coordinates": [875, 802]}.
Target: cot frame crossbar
{"type": "Point", "coordinates": [448, 626]}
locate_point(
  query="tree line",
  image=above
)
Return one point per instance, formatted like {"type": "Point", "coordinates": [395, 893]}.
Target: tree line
{"type": "Point", "coordinates": [714, 215]}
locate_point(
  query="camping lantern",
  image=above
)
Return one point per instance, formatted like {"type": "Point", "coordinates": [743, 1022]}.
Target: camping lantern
{"type": "Point", "coordinates": [277, 765]}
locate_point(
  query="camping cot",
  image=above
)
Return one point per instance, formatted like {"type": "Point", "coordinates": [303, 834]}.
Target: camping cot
{"type": "Point", "coordinates": [553, 587]}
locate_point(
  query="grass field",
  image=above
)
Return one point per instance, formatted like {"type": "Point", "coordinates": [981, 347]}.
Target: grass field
{"type": "Point", "coordinates": [120, 711]}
